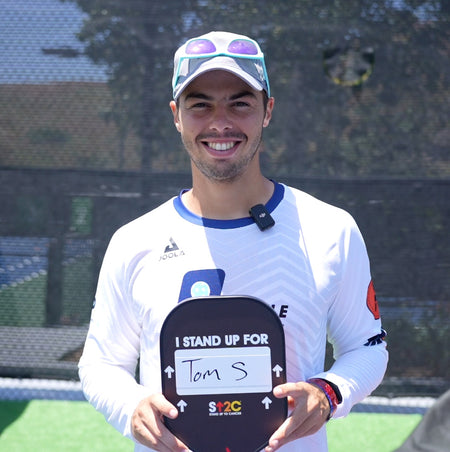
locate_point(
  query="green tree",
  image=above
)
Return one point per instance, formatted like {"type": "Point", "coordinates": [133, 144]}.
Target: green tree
{"type": "Point", "coordinates": [388, 121]}
{"type": "Point", "coordinates": [134, 39]}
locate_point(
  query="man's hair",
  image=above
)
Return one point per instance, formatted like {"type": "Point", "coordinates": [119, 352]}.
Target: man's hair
{"type": "Point", "coordinates": [265, 100]}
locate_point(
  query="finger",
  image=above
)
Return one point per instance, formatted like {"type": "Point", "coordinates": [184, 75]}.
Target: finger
{"type": "Point", "coordinates": [148, 426]}
{"type": "Point", "coordinates": [306, 417]}
{"type": "Point", "coordinates": [163, 440]}
{"type": "Point", "coordinates": [289, 389]}
{"type": "Point", "coordinates": [278, 438]}
{"type": "Point", "coordinates": [153, 433]}
{"type": "Point", "coordinates": [295, 394]}
{"type": "Point", "coordinates": [163, 406]}
{"type": "Point", "coordinates": [291, 430]}
{"type": "Point", "coordinates": [159, 403]}
{"type": "Point", "coordinates": [285, 429]}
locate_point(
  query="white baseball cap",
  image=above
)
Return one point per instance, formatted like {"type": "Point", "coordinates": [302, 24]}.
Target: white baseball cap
{"type": "Point", "coordinates": [220, 50]}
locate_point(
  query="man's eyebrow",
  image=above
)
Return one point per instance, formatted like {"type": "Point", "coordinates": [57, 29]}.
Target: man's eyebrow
{"type": "Point", "coordinates": [242, 94]}
{"type": "Point", "coordinates": [195, 95]}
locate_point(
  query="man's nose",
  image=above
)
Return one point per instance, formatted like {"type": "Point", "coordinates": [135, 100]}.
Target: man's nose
{"type": "Point", "coordinates": [220, 120]}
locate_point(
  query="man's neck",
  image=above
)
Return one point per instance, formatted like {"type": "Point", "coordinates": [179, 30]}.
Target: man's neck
{"type": "Point", "coordinates": [227, 200]}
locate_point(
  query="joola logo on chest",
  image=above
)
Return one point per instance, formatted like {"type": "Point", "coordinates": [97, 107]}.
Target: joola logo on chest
{"type": "Point", "coordinates": [171, 250]}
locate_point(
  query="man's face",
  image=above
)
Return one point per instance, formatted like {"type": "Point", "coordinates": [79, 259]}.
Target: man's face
{"type": "Point", "coordinates": [220, 119]}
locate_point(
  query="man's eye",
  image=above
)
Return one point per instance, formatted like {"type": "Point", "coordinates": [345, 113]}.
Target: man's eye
{"type": "Point", "coordinates": [199, 105]}
{"type": "Point", "coordinates": [241, 104]}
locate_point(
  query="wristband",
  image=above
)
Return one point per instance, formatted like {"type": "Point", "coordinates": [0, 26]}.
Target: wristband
{"type": "Point", "coordinates": [328, 391]}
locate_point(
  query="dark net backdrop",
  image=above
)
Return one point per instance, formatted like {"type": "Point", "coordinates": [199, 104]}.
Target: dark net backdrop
{"type": "Point", "coordinates": [87, 143]}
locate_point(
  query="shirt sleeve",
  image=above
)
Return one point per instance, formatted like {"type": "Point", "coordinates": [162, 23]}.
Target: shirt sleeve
{"type": "Point", "coordinates": [108, 365]}
{"type": "Point", "coordinates": [354, 327]}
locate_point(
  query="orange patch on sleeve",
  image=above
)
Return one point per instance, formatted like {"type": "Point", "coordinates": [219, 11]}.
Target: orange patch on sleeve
{"type": "Point", "coordinates": [372, 302]}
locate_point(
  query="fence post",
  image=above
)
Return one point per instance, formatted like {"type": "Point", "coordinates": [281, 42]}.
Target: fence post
{"type": "Point", "coordinates": [54, 297]}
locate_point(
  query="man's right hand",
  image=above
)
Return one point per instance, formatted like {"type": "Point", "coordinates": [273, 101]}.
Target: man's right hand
{"type": "Point", "coordinates": [148, 427]}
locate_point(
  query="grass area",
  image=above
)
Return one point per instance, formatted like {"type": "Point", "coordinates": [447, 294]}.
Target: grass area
{"type": "Point", "coordinates": [24, 304]}
{"type": "Point", "coordinates": [370, 432]}
{"type": "Point", "coordinates": [78, 291]}
{"type": "Point", "coordinates": [54, 426]}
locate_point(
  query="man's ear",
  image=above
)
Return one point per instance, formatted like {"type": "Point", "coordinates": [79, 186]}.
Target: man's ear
{"type": "Point", "coordinates": [173, 107]}
{"type": "Point", "coordinates": [269, 109]}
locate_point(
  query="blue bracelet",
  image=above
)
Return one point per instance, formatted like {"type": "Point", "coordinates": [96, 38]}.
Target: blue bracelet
{"type": "Point", "coordinates": [329, 393]}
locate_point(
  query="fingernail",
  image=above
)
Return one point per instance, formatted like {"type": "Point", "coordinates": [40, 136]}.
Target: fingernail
{"type": "Point", "coordinates": [273, 444]}
{"type": "Point", "coordinates": [277, 391]}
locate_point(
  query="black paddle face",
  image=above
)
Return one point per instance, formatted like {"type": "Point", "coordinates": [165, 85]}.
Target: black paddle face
{"type": "Point", "coordinates": [221, 357]}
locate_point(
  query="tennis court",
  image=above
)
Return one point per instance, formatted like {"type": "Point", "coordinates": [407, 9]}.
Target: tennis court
{"type": "Point", "coordinates": [53, 417]}
{"type": "Point", "coordinates": [87, 144]}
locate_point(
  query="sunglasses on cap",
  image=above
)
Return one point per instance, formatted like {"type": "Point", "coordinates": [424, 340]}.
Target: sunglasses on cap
{"type": "Point", "coordinates": [244, 51]}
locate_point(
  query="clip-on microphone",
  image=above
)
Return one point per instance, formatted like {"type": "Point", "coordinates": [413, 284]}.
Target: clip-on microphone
{"type": "Point", "coordinates": [261, 217]}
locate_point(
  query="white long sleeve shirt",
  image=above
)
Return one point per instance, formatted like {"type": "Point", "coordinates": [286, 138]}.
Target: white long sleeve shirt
{"type": "Point", "coordinates": [311, 267]}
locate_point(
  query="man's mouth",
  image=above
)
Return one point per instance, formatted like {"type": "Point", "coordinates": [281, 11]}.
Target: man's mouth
{"type": "Point", "coordinates": [221, 146]}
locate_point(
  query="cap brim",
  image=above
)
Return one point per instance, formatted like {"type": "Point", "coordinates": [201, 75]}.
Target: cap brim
{"type": "Point", "coordinates": [221, 63]}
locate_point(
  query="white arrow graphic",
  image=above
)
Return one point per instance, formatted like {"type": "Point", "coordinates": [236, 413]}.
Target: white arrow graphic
{"type": "Point", "coordinates": [266, 402]}
{"type": "Point", "coordinates": [277, 369]}
{"type": "Point", "coordinates": [182, 405]}
{"type": "Point", "coordinates": [169, 371]}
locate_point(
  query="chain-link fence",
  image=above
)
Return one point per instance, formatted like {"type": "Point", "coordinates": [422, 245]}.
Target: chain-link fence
{"type": "Point", "coordinates": [50, 261]}
{"type": "Point", "coordinates": [360, 122]}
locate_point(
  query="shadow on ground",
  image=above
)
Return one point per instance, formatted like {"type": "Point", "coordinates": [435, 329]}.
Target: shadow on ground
{"type": "Point", "coordinates": [10, 411]}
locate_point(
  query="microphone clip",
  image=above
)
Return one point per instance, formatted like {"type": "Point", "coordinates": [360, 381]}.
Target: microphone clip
{"type": "Point", "coordinates": [261, 217]}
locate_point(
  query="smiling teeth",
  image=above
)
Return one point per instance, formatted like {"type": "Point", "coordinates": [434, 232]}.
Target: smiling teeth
{"type": "Point", "coordinates": [221, 146]}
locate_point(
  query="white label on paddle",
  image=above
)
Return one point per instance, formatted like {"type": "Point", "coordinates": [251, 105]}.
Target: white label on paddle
{"type": "Point", "coordinates": [234, 370]}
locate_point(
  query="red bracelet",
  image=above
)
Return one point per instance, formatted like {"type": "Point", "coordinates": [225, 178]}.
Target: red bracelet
{"type": "Point", "coordinates": [329, 392]}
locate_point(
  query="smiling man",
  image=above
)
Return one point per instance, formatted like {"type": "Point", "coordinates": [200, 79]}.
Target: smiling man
{"type": "Point", "coordinates": [228, 119]}
{"type": "Point", "coordinates": [303, 257]}
{"type": "Point", "coordinates": [220, 119]}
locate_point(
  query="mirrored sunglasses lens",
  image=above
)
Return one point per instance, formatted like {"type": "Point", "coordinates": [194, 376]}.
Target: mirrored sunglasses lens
{"type": "Point", "coordinates": [200, 46]}
{"type": "Point", "coordinates": [242, 47]}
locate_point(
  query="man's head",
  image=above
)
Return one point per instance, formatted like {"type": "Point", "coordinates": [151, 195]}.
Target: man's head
{"type": "Point", "coordinates": [221, 105]}
{"type": "Point", "coordinates": [219, 50]}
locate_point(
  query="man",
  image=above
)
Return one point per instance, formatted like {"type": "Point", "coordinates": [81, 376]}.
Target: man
{"type": "Point", "coordinates": [311, 265]}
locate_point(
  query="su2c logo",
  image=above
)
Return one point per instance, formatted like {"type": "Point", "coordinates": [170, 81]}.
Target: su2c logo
{"type": "Point", "coordinates": [226, 408]}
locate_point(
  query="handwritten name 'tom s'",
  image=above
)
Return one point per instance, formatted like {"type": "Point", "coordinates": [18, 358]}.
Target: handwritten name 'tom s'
{"type": "Point", "coordinates": [203, 374]}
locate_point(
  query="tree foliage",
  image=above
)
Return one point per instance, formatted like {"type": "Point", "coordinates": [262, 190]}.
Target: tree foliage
{"type": "Point", "coordinates": [392, 122]}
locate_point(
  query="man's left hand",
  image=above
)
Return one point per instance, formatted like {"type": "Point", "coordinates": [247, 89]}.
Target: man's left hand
{"type": "Point", "coordinates": [310, 410]}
